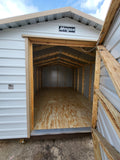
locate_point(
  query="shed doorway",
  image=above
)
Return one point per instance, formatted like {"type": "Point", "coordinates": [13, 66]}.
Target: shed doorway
{"type": "Point", "coordinates": [61, 75]}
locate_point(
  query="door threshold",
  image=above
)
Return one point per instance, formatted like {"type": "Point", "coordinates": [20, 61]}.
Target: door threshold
{"type": "Point", "coordinates": [60, 131]}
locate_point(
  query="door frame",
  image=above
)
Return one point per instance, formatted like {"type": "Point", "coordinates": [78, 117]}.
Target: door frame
{"type": "Point", "coordinates": [29, 41]}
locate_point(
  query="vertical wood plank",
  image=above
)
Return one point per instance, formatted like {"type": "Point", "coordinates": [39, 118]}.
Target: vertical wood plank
{"type": "Point", "coordinates": [90, 81]}
{"type": "Point", "coordinates": [74, 79]}
{"type": "Point", "coordinates": [96, 86]}
{"type": "Point", "coordinates": [97, 151]}
{"type": "Point", "coordinates": [57, 76]}
{"type": "Point", "coordinates": [40, 78]}
{"type": "Point", "coordinates": [31, 85]}
{"type": "Point", "coordinates": [83, 78]}
{"type": "Point", "coordinates": [37, 79]}
{"type": "Point", "coordinates": [78, 79]}
{"type": "Point", "coordinates": [27, 85]}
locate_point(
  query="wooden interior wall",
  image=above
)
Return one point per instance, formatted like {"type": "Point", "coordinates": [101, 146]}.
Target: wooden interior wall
{"type": "Point", "coordinates": [86, 80]}
{"type": "Point", "coordinates": [35, 79]}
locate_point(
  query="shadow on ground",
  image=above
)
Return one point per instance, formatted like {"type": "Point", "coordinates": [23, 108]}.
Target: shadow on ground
{"type": "Point", "coordinates": [62, 147]}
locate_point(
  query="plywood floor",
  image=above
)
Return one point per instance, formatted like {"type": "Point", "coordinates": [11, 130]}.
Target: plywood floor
{"type": "Point", "coordinates": [61, 108]}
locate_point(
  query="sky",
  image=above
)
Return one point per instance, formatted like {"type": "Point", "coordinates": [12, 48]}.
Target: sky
{"type": "Point", "coordinates": [11, 8]}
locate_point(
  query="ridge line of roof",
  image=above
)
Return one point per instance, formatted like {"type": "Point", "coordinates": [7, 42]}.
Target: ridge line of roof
{"type": "Point", "coordinates": [49, 12]}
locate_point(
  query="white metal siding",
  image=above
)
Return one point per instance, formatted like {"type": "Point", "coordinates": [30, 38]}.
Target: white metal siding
{"type": "Point", "coordinates": [112, 43]}
{"type": "Point", "coordinates": [13, 120]}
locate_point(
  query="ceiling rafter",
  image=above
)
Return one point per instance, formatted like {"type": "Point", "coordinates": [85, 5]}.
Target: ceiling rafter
{"type": "Point", "coordinates": [69, 63]}
{"type": "Point", "coordinates": [39, 48]}
{"type": "Point", "coordinates": [77, 58]}
{"type": "Point", "coordinates": [45, 56]}
{"type": "Point", "coordinates": [59, 58]}
{"type": "Point", "coordinates": [85, 52]}
{"type": "Point", "coordinates": [56, 63]}
{"type": "Point", "coordinates": [65, 54]}
{"type": "Point", "coordinates": [46, 60]}
{"type": "Point", "coordinates": [59, 61]}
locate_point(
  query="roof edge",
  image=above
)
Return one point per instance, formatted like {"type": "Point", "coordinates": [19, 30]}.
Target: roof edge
{"type": "Point", "coordinates": [49, 12]}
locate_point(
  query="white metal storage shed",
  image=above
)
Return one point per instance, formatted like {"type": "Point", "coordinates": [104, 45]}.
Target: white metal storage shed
{"type": "Point", "coordinates": [42, 28]}
{"type": "Point", "coordinates": [56, 49]}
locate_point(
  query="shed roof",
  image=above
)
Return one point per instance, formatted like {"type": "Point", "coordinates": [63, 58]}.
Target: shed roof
{"type": "Point", "coordinates": [54, 14]}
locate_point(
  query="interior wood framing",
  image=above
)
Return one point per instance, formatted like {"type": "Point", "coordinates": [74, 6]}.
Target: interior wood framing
{"type": "Point", "coordinates": [41, 47]}
{"type": "Point", "coordinates": [78, 79]}
{"type": "Point", "coordinates": [63, 61]}
{"type": "Point", "coordinates": [74, 79]}
{"type": "Point", "coordinates": [83, 79]}
{"type": "Point", "coordinates": [58, 58]}
{"type": "Point", "coordinates": [65, 54]}
{"type": "Point", "coordinates": [58, 62]}
{"type": "Point", "coordinates": [84, 51]}
{"type": "Point", "coordinates": [90, 81]}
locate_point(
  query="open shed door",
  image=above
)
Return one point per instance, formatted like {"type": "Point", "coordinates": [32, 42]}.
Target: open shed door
{"type": "Point", "coordinates": [106, 106]}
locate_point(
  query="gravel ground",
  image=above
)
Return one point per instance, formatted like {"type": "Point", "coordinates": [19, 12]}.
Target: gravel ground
{"type": "Point", "coordinates": [62, 147]}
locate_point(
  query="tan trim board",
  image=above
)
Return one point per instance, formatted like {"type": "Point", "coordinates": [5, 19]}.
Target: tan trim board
{"type": "Point", "coordinates": [31, 85]}
{"type": "Point", "coordinates": [60, 41]}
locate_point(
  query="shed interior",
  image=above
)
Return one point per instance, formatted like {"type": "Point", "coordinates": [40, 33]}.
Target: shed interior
{"type": "Point", "coordinates": [63, 86]}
